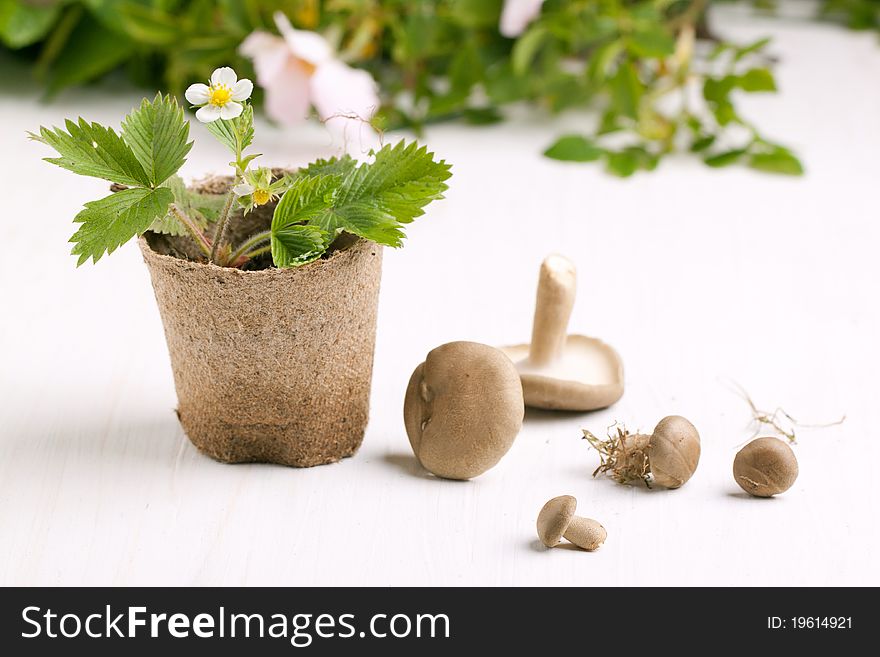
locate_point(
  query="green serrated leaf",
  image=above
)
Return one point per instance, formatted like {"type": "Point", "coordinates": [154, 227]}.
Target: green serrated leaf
{"type": "Point", "coordinates": [336, 166]}
{"type": "Point", "coordinates": [308, 203]}
{"type": "Point", "coordinates": [112, 221]}
{"type": "Point", "coordinates": [90, 149]}
{"type": "Point", "coordinates": [574, 148]}
{"type": "Point", "coordinates": [372, 200]}
{"type": "Point", "coordinates": [157, 134]}
{"type": "Point", "coordinates": [298, 245]}
{"type": "Point", "coordinates": [401, 180]}
{"type": "Point", "coordinates": [236, 134]}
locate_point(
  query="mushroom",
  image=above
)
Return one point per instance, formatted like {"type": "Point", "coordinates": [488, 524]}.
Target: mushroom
{"type": "Point", "coordinates": [668, 457]}
{"type": "Point", "coordinates": [463, 409]}
{"type": "Point", "coordinates": [765, 467]}
{"type": "Point", "coordinates": [559, 371]}
{"type": "Point", "coordinates": [557, 521]}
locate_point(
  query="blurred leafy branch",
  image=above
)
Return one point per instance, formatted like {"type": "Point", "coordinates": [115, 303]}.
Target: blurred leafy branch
{"type": "Point", "coordinates": [655, 75]}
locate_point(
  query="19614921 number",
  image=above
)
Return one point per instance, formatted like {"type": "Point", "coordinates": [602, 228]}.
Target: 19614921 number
{"type": "Point", "coordinates": [810, 623]}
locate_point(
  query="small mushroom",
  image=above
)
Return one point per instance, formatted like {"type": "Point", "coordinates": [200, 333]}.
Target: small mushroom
{"type": "Point", "coordinates": [557, 521]}
{"type": "Point", "coordinates": [559, 371]}
{"type": "Point", "coordinates": [463, 409]}
{"type": "Point", "coordinates": [668, 457]}
{"type": "Point", "coordinates": [765, 467]}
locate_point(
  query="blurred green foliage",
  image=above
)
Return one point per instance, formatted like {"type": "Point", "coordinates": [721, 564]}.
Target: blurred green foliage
{"type": "Point", "coordinates": [655, 88]}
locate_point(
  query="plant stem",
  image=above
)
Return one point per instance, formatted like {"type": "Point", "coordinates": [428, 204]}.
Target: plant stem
{"type": "Point", "coordinates": [223, 221]}
{"type": "Point", "coordinates": [689, 16]}
{"type": "Point", "coordinates": [249, 244]}
{"type": "Point", "coordinates": [190, 225]}
{"type": "Point", "coordinates": [260, 251]}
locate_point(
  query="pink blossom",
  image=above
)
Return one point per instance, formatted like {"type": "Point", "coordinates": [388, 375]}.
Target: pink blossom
{"type": "Point", "coordinates": [299, 69]}
{"type": "Point", "coordinates": [516, 16]}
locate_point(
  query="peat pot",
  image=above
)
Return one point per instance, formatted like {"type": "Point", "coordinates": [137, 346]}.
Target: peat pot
{"type": "Point", "coordinates": [271, 365]}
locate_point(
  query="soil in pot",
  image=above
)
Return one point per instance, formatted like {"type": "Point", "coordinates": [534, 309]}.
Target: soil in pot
{"type": "Point", "coordinates": [270, 365]}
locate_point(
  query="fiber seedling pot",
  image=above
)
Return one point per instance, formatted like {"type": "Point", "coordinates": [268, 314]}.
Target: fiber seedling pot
{"type": "Point", "coordinates": [272, 365]}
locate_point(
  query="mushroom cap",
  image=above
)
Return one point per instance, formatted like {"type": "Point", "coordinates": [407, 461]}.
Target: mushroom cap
{"type": "Point", "coordinates": [463, 409]}
{"type": "Point", "coordinates": [765, 467]}
{"type": "Point", "coordinates": [554, 519]}
{"type": "Point", "coordinates": [674, 451]}
{"type": "Point", "coordinates": [588, 375]}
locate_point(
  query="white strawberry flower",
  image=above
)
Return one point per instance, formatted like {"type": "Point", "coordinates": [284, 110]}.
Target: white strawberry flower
{"type": "Point", "coordinates": [222, 98]}
{"type": "Point", "coordinates": [258, 188]}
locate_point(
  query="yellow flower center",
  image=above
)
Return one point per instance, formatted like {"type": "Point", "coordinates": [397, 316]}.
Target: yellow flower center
{"type": "Point", "coordinates": [220, 95]}
{"type": "Point", "coordinates": [261, 196]}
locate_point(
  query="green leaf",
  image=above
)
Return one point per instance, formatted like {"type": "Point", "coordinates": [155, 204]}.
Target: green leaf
{"type": "Point", "coordinates": [22, 23]}
{"type": "Point", "coordinates": [91, 51]}
{"type": "Point", "coordinates": [651, 42]}
{"type": "Point", "coordinates": [476, 13]}
{"type": "Point", "coordinates": [626, 90]}
{"type": "Point", "coordinates": [297, 245]}
{"type": "Point", "coordinates": [574, 148]}
{"type": "Point", "coordinates": [309, 200]}
{"type": "Point", "coordinates": [90, 149]}
{"type": "Point", "coordinates": [372, 200]}
{"type": "Point", "coordinates": [726, 158]}
{"type": "Point", "coordinates": [157, 135]}
{"type": "Point", "coordinates": [112, 221]}
{"type": "Point", "coordinates": [201, 208]}
{"type": "Point", "coordinates": [622, 164]}
{"type": "Point", "coordinates": [608, 123]}
{"type": "Point", "coordinates": [602, 59]}
{"type": "Point", "coordinates": [482, 116]}
{"type": "Point", "coordinates": [724, 113]}
{"type": "Point", "coordinates": [778, 160]}
{"type": "Point", "coordinates": [757, 79]}
{"type": "Point", "coordinates": [626, 162]}
{"type": "Point", "coordinates": [236, 134]}
{"type": "Point", "coordinates": [754, 47]}
{"type": "Point", "coordinates": [526, 49]}
{"type": "Point", "coordinates": [338, 166]}
{"type": "Point", "coordinates": [717, 90]}
{"type": "Point", "coordinates": [400, 181]}
{"type": "Point", "coordinates": [150, 25]}
{"type": "Point", "coordinates": [702, 143]}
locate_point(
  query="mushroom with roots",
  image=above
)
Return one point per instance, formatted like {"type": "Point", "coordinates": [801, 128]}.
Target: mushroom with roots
{"type": "Point", "coordinates": [667, 458]}
{"type": "Point", "coordinates": [557, 521]}
{"type": "Point", "coordinates": [559, 371]}
{"type": "Point", "coordinates": [463, 409]}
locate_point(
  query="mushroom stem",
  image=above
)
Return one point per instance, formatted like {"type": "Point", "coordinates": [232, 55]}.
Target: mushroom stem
{"type": "Point", "coordinates": [556, 291]}
{"type": "Point", "coordinates": [586, 533]}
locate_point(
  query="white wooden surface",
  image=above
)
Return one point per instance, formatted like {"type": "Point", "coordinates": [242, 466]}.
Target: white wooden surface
{"type": "Point", "coordinates": [696, 276]}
